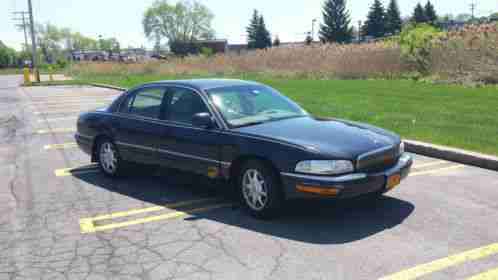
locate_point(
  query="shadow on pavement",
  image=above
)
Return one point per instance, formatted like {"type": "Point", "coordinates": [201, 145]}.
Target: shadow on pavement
{"type": "Point", "coordinates": [318, 222]}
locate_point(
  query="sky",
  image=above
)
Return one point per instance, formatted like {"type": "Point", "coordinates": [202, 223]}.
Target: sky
{"type": "Point", "coordinates": [289, 19]}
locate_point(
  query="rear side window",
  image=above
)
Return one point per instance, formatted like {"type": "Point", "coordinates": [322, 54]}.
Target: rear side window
{"type": "Point", "coordinates": [184, 104]}
{"type": "Point", "coordinates": [146, 103]}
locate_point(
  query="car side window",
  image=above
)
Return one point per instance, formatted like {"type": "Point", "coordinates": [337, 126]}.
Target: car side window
{"type": "Point", "coordinates": [184, 104]}
{"type": "Point", "coordinates": [146, 103]}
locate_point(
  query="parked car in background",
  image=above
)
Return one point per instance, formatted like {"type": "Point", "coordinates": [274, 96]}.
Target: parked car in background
{"type": "Point", "coordinates": [248, 134]}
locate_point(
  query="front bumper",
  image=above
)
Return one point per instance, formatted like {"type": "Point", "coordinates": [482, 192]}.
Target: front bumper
{"type": "Point", "coordinates": [348, 185]}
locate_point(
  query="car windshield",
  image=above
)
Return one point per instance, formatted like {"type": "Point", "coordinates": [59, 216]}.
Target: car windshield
{"type": "Point", "coordinates": [254, 104]}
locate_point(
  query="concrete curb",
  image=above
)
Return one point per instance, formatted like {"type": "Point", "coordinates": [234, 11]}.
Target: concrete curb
{"type": "Point", "coordinates": [109, 87]}
{"type": "Point", "coordinates": [452, 154]}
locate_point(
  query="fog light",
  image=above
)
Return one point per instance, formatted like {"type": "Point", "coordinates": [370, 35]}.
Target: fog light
{"type": "Point", "coordinates": [318, 190]}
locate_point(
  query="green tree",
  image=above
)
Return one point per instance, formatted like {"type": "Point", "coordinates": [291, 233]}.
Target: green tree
{"type": "Point", "coordinates": [336, 23]}
{"type": "Point", "coordinates": [110, 44]}
{"type": "Point", "coordinates": [419, 14]}
{"type": "Point", "coordinates": [49, 41]}
{"type": "Point", "coordinates": [263, 35]}
{"type": "Point", "coordinates": [7, 56]}
{"type": "Point", "coordinates": [430, 13]}
{"type": "Point", "coordinates": [252, 30]}
{"type": "Point", "coordinates": [375, 24]}
{"type": "Point", "coordinates": [80, 42]}
{"type": "Point", "coordinates": [276, 42]}
{"type": "Point", "coordinates": [393, 18]}
{"type": "Point", "coordinates": [185, 22]}
{"type": "Point", "coordinates": [258, 36]}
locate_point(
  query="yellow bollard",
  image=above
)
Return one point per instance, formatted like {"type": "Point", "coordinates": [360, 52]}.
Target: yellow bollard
{"type": "Point", "coordinates": [37, 75]}
{"type": "Point", "coordinates": [27, 79]}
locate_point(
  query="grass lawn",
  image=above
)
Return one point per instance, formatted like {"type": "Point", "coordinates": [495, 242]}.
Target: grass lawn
{"type": "Point", "coordinates": [441, 114]}
{"type": "Point", "coordinates": [10, 71]}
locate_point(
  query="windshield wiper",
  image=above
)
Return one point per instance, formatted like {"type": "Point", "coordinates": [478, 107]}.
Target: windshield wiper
{"type": "Point", "coordinates": [251, 123]}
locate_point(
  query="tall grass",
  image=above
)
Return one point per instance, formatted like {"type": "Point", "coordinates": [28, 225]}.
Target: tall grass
{"type": "Point", "coordinates": [469, 54]}
{"type": "Point", "coordinates": [375, 60]}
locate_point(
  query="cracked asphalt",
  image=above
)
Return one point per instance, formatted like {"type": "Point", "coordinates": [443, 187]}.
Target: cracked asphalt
{"type": "Point", "coordinates": [441, 210]}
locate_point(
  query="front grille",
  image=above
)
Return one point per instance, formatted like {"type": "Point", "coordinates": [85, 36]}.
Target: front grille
{"type": "Point", "coordinates": [378, 160]}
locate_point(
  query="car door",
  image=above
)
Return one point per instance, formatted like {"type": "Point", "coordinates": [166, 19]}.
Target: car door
{"type": "Point", "coordinates": [137, 125]}
{"type": "Point", "coordinates": [182, 145]}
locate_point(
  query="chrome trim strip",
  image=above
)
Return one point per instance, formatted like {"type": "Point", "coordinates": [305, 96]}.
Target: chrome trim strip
{"type": "Point", "coordinates": [193, 157]}
{"type": "Point", "coordinates": [226, 164]}
{"type": "Point", "coordinates": [362, 156]}
{"type": "Point", "coordinates": [155, 121]}
{"type": "Point", "coordinates": [83, 136]}
{"type": "Point", "coordinates": [136, 146]}
{"type": "Point", "coordinates": [375, 151]}
{"type": "Point", "coordinates": [339, 179]}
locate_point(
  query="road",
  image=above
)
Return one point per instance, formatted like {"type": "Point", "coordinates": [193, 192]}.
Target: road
{"type": "Point", "coordinates": [62, 219]}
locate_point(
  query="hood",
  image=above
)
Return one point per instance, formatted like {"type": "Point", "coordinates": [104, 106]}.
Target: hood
{"type": "Point", "coordinates": [330, 137]}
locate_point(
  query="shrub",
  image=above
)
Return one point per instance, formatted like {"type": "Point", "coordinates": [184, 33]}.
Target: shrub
{"type": "Point", "coordinates": [416, 42]}
{"type": "Point", "coordinates": [207, 52]}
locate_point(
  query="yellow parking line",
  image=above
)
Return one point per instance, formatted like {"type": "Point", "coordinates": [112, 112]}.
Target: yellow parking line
{"type": "Point", "coordinates": [60, 146]}
{"type": "Point", "coordinates": [424, 269]}
{"type": "Point", "coordinates": [57, 119]}
{"type": "Point", "coordinates": [87, 225]}
{"type": "Point", "coordinates": [488, 275]}
{"type": "Point", "coordinates": [436, 170]}
{"type": "Point", "coordinates": [438, 162]}
{"type": "Point", "coordinates": [55, 130]}
{"type": "Point", "coordinates": [79, 105]}
{"type": "Point", "coordinates": [57, 112]}
{"type": "Point", "coordinates": [69, 101]}
{"type": "Point", "coordinates": [91, 168]}
{"type": "Point", "coordinates": [150, 209]}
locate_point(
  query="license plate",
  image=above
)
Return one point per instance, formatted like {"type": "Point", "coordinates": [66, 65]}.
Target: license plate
{"type": "Point", "coordinates": [393, 181]}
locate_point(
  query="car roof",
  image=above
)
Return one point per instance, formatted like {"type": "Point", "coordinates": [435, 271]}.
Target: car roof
{"type": "Point", "coordinates": [204, 84]}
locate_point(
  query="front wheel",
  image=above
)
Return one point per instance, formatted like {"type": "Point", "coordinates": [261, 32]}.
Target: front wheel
{"type": "Point", "coordinates": [260, 190]}
{"type": "Point", "coordinates": [108, 158]}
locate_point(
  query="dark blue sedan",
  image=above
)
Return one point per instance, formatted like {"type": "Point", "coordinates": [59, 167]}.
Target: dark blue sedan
{"type": "Point", "coordinates": [248, 134]}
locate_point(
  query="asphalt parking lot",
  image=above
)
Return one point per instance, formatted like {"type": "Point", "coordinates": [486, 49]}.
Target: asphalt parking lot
{"type": "Point", "coordinates": [61, 219]}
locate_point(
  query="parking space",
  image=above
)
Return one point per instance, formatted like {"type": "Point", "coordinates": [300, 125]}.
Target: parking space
{"type": "Point", "coordinates": [61, 218]}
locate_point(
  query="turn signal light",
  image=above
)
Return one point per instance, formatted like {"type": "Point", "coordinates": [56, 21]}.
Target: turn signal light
{"type": "Point", "coordinates": [318, 190]}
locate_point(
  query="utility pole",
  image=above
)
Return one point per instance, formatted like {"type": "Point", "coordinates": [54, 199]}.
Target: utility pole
{"type": "Point", "coordinates": [23, 25]}
{"type": "Point", "coordinates": [34, 60]}
{"type": "Point", "coordinates": [473, 8]}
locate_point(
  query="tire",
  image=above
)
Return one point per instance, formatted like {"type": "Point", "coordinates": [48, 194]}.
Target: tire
{"type": "Point", "coordinates": [109, 161]}
{"type": "Point", "coordinates": [260, 190]}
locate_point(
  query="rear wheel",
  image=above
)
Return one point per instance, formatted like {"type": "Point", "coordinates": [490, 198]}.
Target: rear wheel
{"type": "Point", "coordinates": [260, 190]}
{"type": "Point", "coordinates": [108, 158]}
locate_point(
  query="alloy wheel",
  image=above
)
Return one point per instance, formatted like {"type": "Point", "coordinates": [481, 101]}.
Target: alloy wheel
{"type": "Point", "coordinates": [254, 189]}
{"type": "Point", "coordinates": [108, 158]}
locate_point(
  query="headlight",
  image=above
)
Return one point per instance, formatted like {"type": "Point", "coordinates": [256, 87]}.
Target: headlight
{"type": "Point", "coordinates": [325, 167]}
{"type": "Point", "coordinates": [401, 149]}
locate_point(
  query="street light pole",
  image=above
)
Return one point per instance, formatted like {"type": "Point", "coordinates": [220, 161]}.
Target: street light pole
{"type": "Point", "coordinates": [359, 31]}
{"type": "Point", "coordinates": [313, 29]}
{"type": "Point", "coordinates": [34, 59]}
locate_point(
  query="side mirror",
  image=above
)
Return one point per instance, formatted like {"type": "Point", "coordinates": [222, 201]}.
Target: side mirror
{"type": "Point", "coordinates": [203, 120]}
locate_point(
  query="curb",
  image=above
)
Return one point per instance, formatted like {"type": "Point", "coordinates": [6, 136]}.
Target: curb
{"type": "Point", "coordinates": [108, 86]}
{"type": "Point", "coordinates": [452, 154]}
